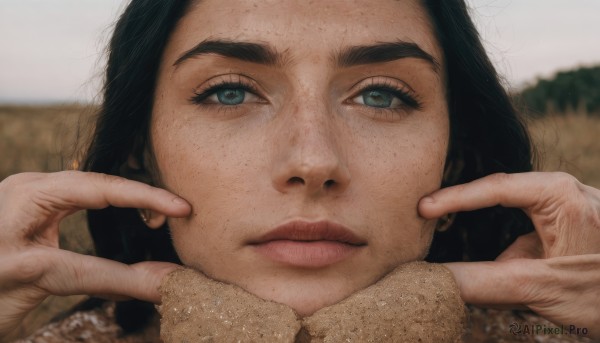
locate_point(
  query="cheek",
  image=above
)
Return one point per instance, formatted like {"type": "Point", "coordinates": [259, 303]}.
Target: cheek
{"type": "Point", "coordinates": [197, 159]}
{"type": "Point", "coordinates": [395, 172]}
{"type": "Point", "coordinates": [209, 168]}
{"type": "Point", "coordinates": [216, 169]}
{"type": "Point", "coordinates": [403, 162]}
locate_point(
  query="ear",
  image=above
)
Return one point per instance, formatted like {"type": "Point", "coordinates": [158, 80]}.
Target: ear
{"type": "Point", "coordinates": [135, 168]}
{"type": "Point", "coordinates": [152, 219]}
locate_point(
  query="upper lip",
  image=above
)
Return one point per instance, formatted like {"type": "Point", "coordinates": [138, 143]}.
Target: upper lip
{"type": "Point", "coordinates": [299, 230]}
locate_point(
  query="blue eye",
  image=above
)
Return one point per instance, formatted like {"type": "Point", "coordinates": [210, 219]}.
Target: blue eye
{"type": "Point", "coordinates": [231, 96]}
{"type": "Point", "coordinates": [226, 94]}
{"type": "Point", "coordinates": [382, 97]}
{"type": "Point", "coordinates": [377, 98]}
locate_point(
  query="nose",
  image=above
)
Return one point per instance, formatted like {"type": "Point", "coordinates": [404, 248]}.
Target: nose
{"type": "Point", "coordinates": [309, 156]}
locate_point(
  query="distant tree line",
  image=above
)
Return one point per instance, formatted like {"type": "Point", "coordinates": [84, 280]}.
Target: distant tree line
{"type": "Point", "coordinates": [575, 90]}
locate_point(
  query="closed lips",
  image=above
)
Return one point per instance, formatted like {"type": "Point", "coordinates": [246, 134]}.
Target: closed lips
{"type": "Point", "coordinates": [307, 232]}
{"type": "Point", "coordinates": [308, 245]}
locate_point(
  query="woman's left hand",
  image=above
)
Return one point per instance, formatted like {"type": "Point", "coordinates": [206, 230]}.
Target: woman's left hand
{"type": "Point", "coordinates": [554, 271]}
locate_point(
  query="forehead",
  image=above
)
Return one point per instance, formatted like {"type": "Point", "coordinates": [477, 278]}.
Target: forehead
{"type": "Point", "coordinates": [305, 28]}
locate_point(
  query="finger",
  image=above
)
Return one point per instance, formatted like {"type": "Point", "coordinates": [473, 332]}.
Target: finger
{"type": "Point", "coordinates": [61, 272]}
{"type": "Point", "coordinates": [526, 246]}
{"type": "Point", "coordinates": [495, 283]}
{"type": "Point", "coordinates": [522, 190]}
{"type": "Point", "coordinates": [577, 265]}
{"type": "Point", "coordinates": [79, 190]}
{"type": "Point", "coordinates": [109, 278]}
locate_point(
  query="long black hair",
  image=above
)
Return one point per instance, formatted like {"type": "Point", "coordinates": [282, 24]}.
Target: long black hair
{"type": "Point", "coordinates": [487, 135]}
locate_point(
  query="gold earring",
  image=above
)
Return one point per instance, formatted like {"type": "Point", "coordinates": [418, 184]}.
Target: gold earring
{"type": "Point", "coordinates": [445, 222]}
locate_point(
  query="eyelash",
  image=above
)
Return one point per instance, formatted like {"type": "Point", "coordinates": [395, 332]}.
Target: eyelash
{"type": "Point", "coordinates": [407, 97]}
{"type": "Point", "coordinates": [199, 97]}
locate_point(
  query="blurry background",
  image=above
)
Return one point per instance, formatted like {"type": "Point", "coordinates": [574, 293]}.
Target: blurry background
{"type": "Point", "coordinates": [51, 62]}
{"type": "Point", "coordinates": [52, 49]}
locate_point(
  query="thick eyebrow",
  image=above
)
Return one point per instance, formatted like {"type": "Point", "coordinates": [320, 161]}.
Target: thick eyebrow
{"type": "Point", "coordinates": [347, 57]}
{"type": "Point", "coordinates": [383, 52]}
{"type": "Point", "coordinates": [244, 51]}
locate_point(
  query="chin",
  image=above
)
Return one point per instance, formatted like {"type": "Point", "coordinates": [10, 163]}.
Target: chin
{"type": "Point", "coordinates": [305, 296]}
{"type": "Point", "coordinates": [307, 306]}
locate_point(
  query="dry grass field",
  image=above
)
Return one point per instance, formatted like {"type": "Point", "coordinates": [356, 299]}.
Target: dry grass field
{"type": "Point", "coordinates": [569, 143]}
{"type": "Point", "coordinates": [42, 139]}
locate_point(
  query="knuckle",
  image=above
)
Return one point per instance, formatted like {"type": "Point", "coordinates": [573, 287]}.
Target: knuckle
{"type": "Point", "coordinates": [528, 284]}
{"type": "Point", "coordinates": [113, 180]}
{"type": "Point", "coordinates": [17, 180]}
{"type": "Point", "coordinates": [67, 174]}
{"type": "Point", "coordinates": [77, 272]}
{"type": "Point", "coordinates": [60, 181]}
{"type": "Point", "coordinates": [29, 265]}
{"type": "Point", "coordinates": [565, 181]}
{"type": "Point", "coordinates": [16, 190]}
{"type": "Point", "coordinates": [499, 178]}
{"type": "Point", "coordinates": [105, 182]}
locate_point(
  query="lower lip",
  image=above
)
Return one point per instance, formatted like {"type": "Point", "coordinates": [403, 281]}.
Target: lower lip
{"type": "Point", "coordinates": [314, 254]}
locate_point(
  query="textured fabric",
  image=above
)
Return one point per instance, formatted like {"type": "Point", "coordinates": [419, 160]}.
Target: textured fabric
{"type": "Point", "coordinates": [98, 326]}
{"type": "Point", "coordinates": [496, 326]}
{"type": "Point", "coordinates": [94, 326]}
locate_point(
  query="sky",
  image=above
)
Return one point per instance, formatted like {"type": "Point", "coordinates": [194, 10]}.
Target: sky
{"type": "Point", "coordinates": [52, 50]}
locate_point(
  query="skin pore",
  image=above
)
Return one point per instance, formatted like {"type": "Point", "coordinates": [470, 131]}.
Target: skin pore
{"type": "Point", "coordinates": [303, 134]}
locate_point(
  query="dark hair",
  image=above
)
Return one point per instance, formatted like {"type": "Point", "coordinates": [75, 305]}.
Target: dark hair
{"type": "Point", "coordinates": [487, 136]}
{"type": "Point", "coordinates": [134, 54]}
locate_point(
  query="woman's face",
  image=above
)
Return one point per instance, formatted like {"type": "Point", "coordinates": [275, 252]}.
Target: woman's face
{"type": "Point", "coordinates": [303, 134]}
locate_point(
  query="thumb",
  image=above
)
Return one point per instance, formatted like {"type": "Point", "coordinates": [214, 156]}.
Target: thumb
{"type": "Point", "coordinates": [70, 273]}
{"type": "Point", "coordinates": [496, 284]}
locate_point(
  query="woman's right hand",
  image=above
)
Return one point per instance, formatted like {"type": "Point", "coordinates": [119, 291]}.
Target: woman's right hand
{"type": "Point", "coordinates": [31, 264]}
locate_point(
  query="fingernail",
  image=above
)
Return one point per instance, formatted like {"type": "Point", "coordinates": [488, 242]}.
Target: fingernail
{"type": "Point", "coordinates": [428, 200]}
{"type": "Point", "coordinates": [179, 201]}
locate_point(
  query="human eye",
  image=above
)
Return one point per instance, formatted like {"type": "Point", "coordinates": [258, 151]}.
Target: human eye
{"type": "Point", "coordinates": [386, 96]}
{"type": "Point", "coordinates": [226, 93]}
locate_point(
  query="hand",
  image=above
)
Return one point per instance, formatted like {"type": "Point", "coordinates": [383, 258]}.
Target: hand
{"type": "Point", "coordinates": [31, 264]}
{"type": "Point", "coordinates": [554, 271]}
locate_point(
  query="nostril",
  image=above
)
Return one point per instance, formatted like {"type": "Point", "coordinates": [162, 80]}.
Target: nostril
{"type": "Point", "coordinates": [329, 183]}
{"type": "Point", "coordinates": [296, 179]}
